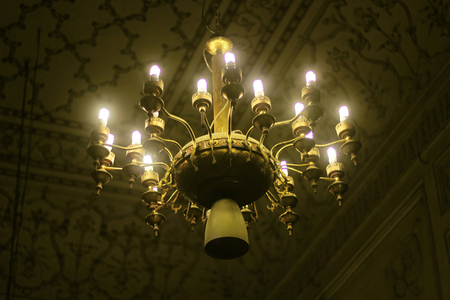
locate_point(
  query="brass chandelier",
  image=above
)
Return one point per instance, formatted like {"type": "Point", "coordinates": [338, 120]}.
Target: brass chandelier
{"type": "Point", "coordinates": [223, 172]}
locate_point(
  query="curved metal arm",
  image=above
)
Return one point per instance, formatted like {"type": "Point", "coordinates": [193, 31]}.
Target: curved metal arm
{"type": "Point", "coordinates": [169, 141]}
{"type": "Point", "coordinates": [332, 143]}
{"type": "Point", "coordinates": [221, 111]}
{"type": "Point", "coordinates": [287, 122]}
{"type": "Point", "coordinates": [156, 164]}
{"type": "Point", "coordinates": [230, 124]}
{"type": "Point", "coordinates": [182, 121]}
{"type": "Point", "coordinates": [168, 154]}
{"type": "Point", "coordinates": [123, 148]}
{"type": "Point", "coordinates": [282, 143]}
{"type": "Point", "coordinates": [295, 170]}
{"type": "Point", "coordinates": [282, 148]}
{"type": "Point", "coordinates": [208, 128]}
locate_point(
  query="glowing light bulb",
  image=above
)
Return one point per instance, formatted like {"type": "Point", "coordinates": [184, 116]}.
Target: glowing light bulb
{"type": "Point", "coordinates": [156, 114]}
{"type": "Point", "coordinates": [258, 88]}
{"type": "Point", "coordinates": [103, 116]}
{"type": "Point", "coordinates": [298, 108]}
{"type": "Point", "coordinates": [155, 71]}
{"type": "Point", "coordinates": [155, 188]}
{"type": "Point", "coordinates": [136, 138]}
{"type": "Point", "coordinates": [284, 168]}
{"type": "Point", "coordinates": [110, 141]}
{"type": "Point", "coordinates": [230, 58]}
{"type": "Point", "coordinates": [343, 113]}
{"type": "Point", "coordinates": [148, 160]}
{"type": "Point", "coordinates": [309, 135]}
{"type": "Point", "coordinates": [332, 156]}
{"type": "Point", "coordinates": [310, 78]}
{"type": "Point", "coordinates": [202, 86]}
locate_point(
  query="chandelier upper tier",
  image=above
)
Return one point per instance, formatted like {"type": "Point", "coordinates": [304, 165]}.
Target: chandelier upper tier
{"type": "Point", "coordinates": [223, 172]}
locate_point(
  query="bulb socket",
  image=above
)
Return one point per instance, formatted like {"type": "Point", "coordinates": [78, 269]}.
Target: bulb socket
{"type": "Point", "coordinates": [261, 104]}
{"type": "Point", "coordinates": [154, 87]}
{"type": "Point", "coordinates": [231, 74]}
{"type": "Point", "coordinates": [135, 154]}
{"type": "Point", "coordinates": [149, 178]}
{"type": "Point", "coordinates": [108, 161]}
{"type": "Point", "coordinates": [201, 100]}
{"type": "Point", "coordinates": [154, 125]}
{"type": "Point", "coordinates": [335, 170]}
{"type": "Point", "coordinates": [311, 94]}
{"type": "Point", "coordinates": [99, 134]}
{"type": "Point", "coordinates": [345, 129]}
{"type": "Point", "coordinates": [301, 126]}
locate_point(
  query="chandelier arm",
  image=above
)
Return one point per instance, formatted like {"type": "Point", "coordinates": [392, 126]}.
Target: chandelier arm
{"type": "Point", "coordinates": [154, 164]}
{"type": "Point", "coordinates": [206, 60]}
{"type": "Point", "coordinates": [182, 121]}
{"type": "Point", "coordinates": [230, 124]}
{"type": "Point", "coordinates": [261, 144]}
{"type": "Point", "coordinates": [283, 143]}
{"type": "Point", "coordinates": [295, 170]}
{"type": "Point", "coordinates": [272, 198]}
{"type": "Point", "coordinates": [327, 179]}
{"type": "Point", "coordinates": [208, 128]}
{"type": "Point", "coordinates": [221, 111]}
{"type": "Point", "coordinates": [170, 141]}
{"type": "Point", "coordinates": [332, 143]}
{"type": "Point", "coordinates": [287, 122]}
{"type": "Point", "coordinates": [298, 165]}
{"type": "Point", "coordinates": [256, 217]}
{"type": "Point", "coordinates": [120, 147]}
{"type": "Point", "coordinates": [281, 149]}
{"type": "Point", "coordinates": [112, 169]}
{"type": "Point", "coordinates": [168, 154]}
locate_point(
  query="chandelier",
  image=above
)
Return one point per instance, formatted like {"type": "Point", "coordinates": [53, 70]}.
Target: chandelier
{"type": "Point", "coordinates": [223, 172]}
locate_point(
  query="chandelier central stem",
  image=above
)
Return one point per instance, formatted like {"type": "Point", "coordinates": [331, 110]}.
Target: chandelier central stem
{"type": "Point", "coordinates": [220, 115]}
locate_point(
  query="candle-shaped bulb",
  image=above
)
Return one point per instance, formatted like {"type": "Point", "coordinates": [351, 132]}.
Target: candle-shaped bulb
{"type": "Point", "coordinates": [136, 138]}
{"type": "Point", "coordinates": [155, 188]}
{"type": "Point", "coordinates": [332, 156]}
{"type": "Point", "coordinates": [103, 116]}
{"type": "Point", "coordinates": [309, 135]}
{"type": "Point", "coordinates": [284, 168]}
{"type": "Point", "coordinates": [298, 108]}
{"type": "Point", "coordinates": [310, 78]}
{"type": "Point", "coordinates": [343, 113]}
{"type": "Point", "coordinates": [148, 160]}
{"type": "Point", "coordinates": [230, 58]}
{"type": "Point", "coordinates": [202, 86]}
{"type": "Point", "coordinates": [110, 141]}
{"type": "Point", "coordinates": [156, 114]}
{"type": "Point", "coordinates": [155, 71]}
{"type": "Point", "coordinates": [258, 88]}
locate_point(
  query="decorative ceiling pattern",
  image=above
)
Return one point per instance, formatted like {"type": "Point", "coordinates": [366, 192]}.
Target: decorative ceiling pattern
{"type": "Point", "coordinates": [61, 61]}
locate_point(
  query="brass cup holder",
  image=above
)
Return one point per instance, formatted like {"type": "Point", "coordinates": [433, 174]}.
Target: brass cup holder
{"type": "Point", "coordinates": [312, 174]}
{"type": "Point", "coordinates": [151, 197]}
{"type": "Point", "coordinates": [154, 146]}
{"type": "Point", "coordinates": [151, 103]}
{"type": "Point", "coordinates": [345, 129]}
{"type": "Point", "coordinates": [351, 148]}
{"type": "Point", "coordinates": [312, 113]}
{"type": "Point", "coordinates": [289, 200]}
{"type": "Point", "coordinates": [201, 100]}
{"type": "Point", "coordinates": [155, 219]}
{"type": "Point", "coordinates": [97, 152]}
{"type": "Point", "coordinates": [101, 177]}
{"type": "Point", "coordinates": [263, 121]}
{"type": "Point", "coordinates": [338, 188]}
{"type": "Point", "coordinates": [149, 178]}
{"type": "Point", "coordinates": [301, 126]}
{"type": "Point", "coordinates": [154, 87]}
{"type": "Point", "coordinates": [289, 218]}
{"type": "Point", "coordinates": [304, 145]}
{"type": "Point", "coordinates": [232, 92]}
{"type": "Point", "coordinates": [154, 125]}
{"type": "Point", "coordinates": [313, 155]}
{"type": "Point", "coordinates": [133, 171]}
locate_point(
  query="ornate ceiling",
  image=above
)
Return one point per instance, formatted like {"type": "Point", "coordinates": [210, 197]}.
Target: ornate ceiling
{"type": "Point", "coordinates": [67, 59]}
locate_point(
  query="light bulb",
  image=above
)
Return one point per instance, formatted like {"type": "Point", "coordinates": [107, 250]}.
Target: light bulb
{"type": "Point", "coordinates": [202, 86]}
{"type": "Point", "coordinates": [230, 58]}
{"type": "Point", "coordinates": [332, 156]}
{"type": "Point", "coordinates": [148, 160]}
{"type": "Point", "coordinates": [298, 108]}
{"type": "Point", "coordinates": [343, 113]}
{"type": "Point", "coordinates": [284, 168]}
{"type": "Point", "coordinates": [309, 135]}
{"type": "Point", "coordinates": [136, 138]}
{"type": "Point", "coordinates": [155, 71]}
{"type": "Point", "coordinates": [258, 88]}
{"type": "Point", "coordinates": [156, 114]}
{"type": "Point", "coordinates": [310, 78]}
{"type": "Point", "coordinates": [110, 141]}
{"type": "Point", "coordinates": [103, 116]}
{"type": "Point", "coordinates": [155, 188]}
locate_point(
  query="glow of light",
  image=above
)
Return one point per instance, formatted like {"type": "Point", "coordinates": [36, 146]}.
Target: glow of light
{"type": "Point", "coordinates": [202, 86]}
{"type": "Point", "coordinates": [156, 114]}
{"type": "Point", "coordinates": [284, 168]}
{"type": "Point", "coordinates": [136, 138]}
{"type": "Point", "coordinates": [298, 108]}
{"type": "Point", "coordinates": [332, 156]}
{"type": "Point", "coordinates": [258, 88]}
{"type": "Point", "coordinates": [310, 78]}
{"type": "Point", "coordinates": [155, 188]}
{"type": "Point", "coordinates": [103, 116]}
{"type": "Point", "coordinates": [148, 160]}
{"type": "Point", "coordinates": [230, 58]}
{"type": "Point", "coordinates": [309, 135]}
{"type": "Point", "coordinates": [343, 113]}
{"type": "Point", "coordinates": [110, 141]}
{"type": "Point", "coordinates": [155, 71]}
